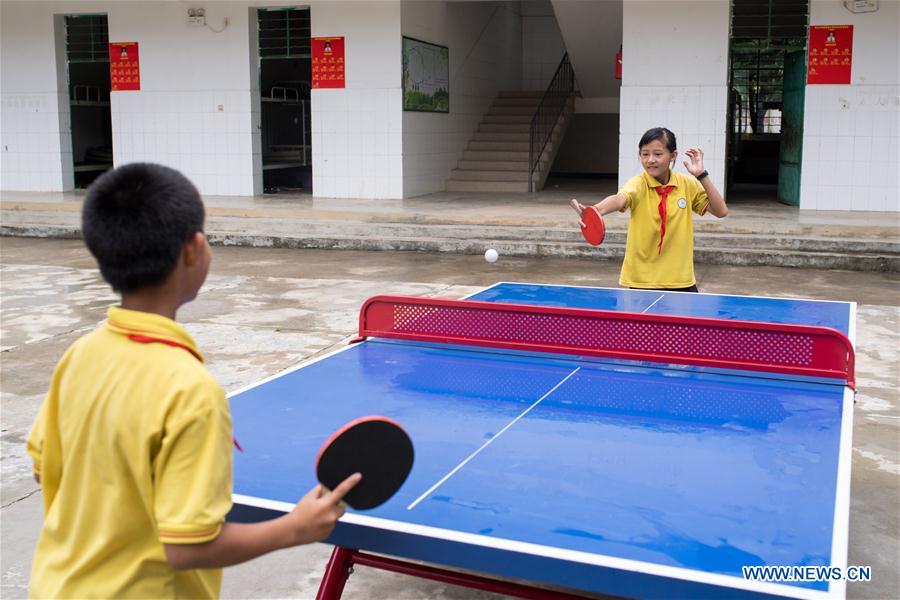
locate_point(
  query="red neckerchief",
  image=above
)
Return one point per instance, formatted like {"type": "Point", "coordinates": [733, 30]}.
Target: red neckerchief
{"type": "Point", "coordinates": [663, 194]}
{"type": "Point", "coordinates": [146, 339]}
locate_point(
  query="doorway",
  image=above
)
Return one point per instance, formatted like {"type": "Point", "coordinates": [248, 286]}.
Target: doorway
{"type": "Point", "coordinates": [88, 81]}
{"type": "Point", "coordinates": [767, 81]}
{"type": "Point", "coordinates": [284, 60]}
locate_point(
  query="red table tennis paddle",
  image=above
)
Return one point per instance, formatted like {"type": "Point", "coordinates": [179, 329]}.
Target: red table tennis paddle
{"type": "Point", "coordinates": [592, 226]}
{"type": "Point", "coordinates": [375, 446]}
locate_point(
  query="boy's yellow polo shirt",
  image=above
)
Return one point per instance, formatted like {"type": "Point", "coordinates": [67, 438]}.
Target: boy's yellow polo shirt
{"type": "Point", "coordinates": [133, 448]}
{"type": "Point", "coordinates": [645, 264]}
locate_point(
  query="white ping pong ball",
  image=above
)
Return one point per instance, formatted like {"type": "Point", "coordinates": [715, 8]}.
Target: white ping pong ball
{"type": "Point", "coordinates": [491, 255]}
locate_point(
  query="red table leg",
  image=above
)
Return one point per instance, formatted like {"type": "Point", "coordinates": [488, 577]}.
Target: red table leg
{"type": "Point", "coordinates": [336, 574]}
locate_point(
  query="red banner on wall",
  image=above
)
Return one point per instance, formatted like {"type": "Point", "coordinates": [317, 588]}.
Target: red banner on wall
{"type": "Point", "coordinates": [830, 54]}
{"type": "Point", "coordinates": [124, 66]}
{"type": "Point", "coordinates": [328, 62]}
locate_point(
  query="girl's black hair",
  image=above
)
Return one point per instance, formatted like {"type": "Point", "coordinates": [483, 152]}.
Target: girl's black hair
{"type": "Point", "coordinates": [659, 133]}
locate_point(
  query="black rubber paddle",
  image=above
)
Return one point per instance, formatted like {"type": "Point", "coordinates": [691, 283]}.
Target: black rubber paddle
{"type": "Point", "coordinates": [375, 446]}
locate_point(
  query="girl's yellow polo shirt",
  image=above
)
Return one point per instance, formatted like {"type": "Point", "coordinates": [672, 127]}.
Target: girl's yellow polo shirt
{"type": "Point", "coordinates": [646, 265]}
{"type": "Point", "coordinates": [133, 448]}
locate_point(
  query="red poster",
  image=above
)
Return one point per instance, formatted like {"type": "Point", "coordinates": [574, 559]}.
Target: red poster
{"type": "Point", "coordinates": [830, 54]}
{"type": "Point", "coordinates": [328, 62]}
{"type": "Point", "coordinates": [124, 67]}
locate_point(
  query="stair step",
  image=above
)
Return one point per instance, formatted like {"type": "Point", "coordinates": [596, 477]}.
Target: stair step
{"type": "Point", "coordinates": [486, 186]}
{"type": "Point", "coordinates": [494, 155]}
{"type": "Point", "coordinates": [520, 94]}
{"type": "Point", "coordinates": [508, 119]}
{"type": "Point", "coordinates": [499, 146]}
{"type": "Point", "coordinates": [532, 102]}
{"type": "Point", "coordinates": [505, 127]}
{"type": "Point", "coordinates": [500, 136]}
{"type": "Point", "coordinates": [471, 175]}
{"type": "Point", "coordinates": [493, 165]}
{"type": "Point", "coordinates": [511, 110]}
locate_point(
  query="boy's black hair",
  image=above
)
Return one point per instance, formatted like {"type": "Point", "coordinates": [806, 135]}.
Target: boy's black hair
{"type": "Point", "coordinates": [135, 221]}
{"type": "Point", "coordinates": [659, 133]}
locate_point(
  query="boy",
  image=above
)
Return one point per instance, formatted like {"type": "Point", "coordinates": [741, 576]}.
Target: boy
{"type": "Point", "coordinates": [659, 249]}
{"type": "Point", "coordinates": [132, 445]}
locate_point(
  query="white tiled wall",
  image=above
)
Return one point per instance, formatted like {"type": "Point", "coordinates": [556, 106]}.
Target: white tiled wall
{"type": "Point", "coordinates": [851, 133]}
{"type": "Point", "coordinates": [675, 78]}
{"type": "Point", "coordinates": [356, 131]}
{"type": "Point", "coordinates": [357, 143]}
{"type": "Point", "coordinates": [542, 44]}
{"type": "Point", "coordinates": [484, 39]}
{"type": "Point", "coordinates": [693, 113]}
{"type": "Point", "coordinates": [851, 136]}
{"type": "Point", "coordinates": [34, 118]}
{"type": "Point", "coordinates": [35, 155]}
{"type": "Point", "coordinates": [187, 131]}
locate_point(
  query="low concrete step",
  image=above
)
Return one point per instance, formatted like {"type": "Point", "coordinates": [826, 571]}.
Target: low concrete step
{"type": "Point", "coordinates": [486, 186]}
{"type": "Point", "coordinates": [481, 153]}
{"type": "Point", "coordinates": [493, 165]}
{"type": "Point", "coordinates": [499, 147]}
{"type": "Point", "coordinates": [849, 253]}
{"type": "Point", "coordinates": [499, 136]}
{"type": "Point", "coordinates": [485, 175]}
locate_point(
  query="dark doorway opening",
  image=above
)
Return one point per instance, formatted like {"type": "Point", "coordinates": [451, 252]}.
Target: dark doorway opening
{"type": "Point", "coordinates": [767, 80]}
{"type": "Point", "coordinates": [284, 84]}
{"type": "Point", "coordinates": [87, 68]}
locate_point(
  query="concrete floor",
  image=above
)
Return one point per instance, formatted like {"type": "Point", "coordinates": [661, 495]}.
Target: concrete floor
{"type": "Point", "coordinates": [264, 310]}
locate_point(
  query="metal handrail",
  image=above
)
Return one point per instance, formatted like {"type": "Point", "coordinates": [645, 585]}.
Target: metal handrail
{"type": "Point", "coordinates": [552, 104]}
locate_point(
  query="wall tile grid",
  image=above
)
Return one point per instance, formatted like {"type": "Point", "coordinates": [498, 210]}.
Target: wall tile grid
{"type": "Point", "coordinates": [695, 114]}
{"type": "Point", "coordinates": [850, 148]}
{"type": "Point", "coordinates": [357, 142]}
{"type": "Point", "coordinates": [35, 156]}
{"type": "Point", "coordinates": [433, 143]}
{"type": "Point", "coordinates": [542, 49]}
{"type": "Point", "coordinates": [187, 130]}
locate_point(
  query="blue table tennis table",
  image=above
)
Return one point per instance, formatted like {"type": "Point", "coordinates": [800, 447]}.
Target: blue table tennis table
{"type": "Point", "coordinates": [575, 472]}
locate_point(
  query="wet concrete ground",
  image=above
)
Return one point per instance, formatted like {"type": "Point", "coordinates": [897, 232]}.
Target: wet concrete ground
{"type": "Point", "coordinates": [263, 310]}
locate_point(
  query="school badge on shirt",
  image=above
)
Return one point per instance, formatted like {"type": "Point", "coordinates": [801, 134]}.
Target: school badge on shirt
{"type": "Point", "coordinates": [682, 203]}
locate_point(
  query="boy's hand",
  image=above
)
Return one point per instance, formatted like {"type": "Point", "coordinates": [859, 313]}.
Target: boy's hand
{"type": "Point", "coordinates": [694, 164]}
{"type": "Point", "coordinates": [315, 516]}
{"type": "Point", "coordinates": [577, 206]}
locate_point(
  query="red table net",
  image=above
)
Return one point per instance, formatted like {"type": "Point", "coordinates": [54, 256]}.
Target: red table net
{"type": "Point", "coordinates": [722, 343]}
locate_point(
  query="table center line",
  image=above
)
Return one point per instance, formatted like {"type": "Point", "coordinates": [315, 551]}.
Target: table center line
{"type": "Point", "coordinates": [654, 303]}
{"type": "Point", "coordinates": [429, 491]}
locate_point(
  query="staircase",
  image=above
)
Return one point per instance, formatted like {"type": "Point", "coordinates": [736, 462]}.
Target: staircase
{"type": "Point", "coordinates": [496, 159]}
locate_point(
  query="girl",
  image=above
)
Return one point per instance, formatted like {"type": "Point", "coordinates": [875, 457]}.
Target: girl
{"type": "Point", "coordinates": [659, 251]}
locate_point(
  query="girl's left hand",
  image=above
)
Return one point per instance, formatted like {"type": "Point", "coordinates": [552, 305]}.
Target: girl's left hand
{"type": "Point", "coordinates": [695, 163]}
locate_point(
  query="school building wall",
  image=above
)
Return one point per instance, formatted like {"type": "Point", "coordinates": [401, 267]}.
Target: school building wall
{"type": "Point", "coordinates": [850, 132]}
{"type": "Point", "coordinates": [198, 107]}
{"type": "Point", "coordinates": [32, 116]}
{"type": "Point", "coordinates": [675, 75]}
{"type": "Point", "coordinates": [592, 33]}
{"type": "Point", "coordinates": [484, 41]}
{"type": "Point", "coordinates": [357, 131]}
{"type": "Point", "coordinates": [542, 44]}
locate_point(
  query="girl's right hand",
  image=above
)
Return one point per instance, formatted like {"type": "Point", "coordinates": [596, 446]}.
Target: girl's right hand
{"type": "Point", "coordinates": [577, 206]}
